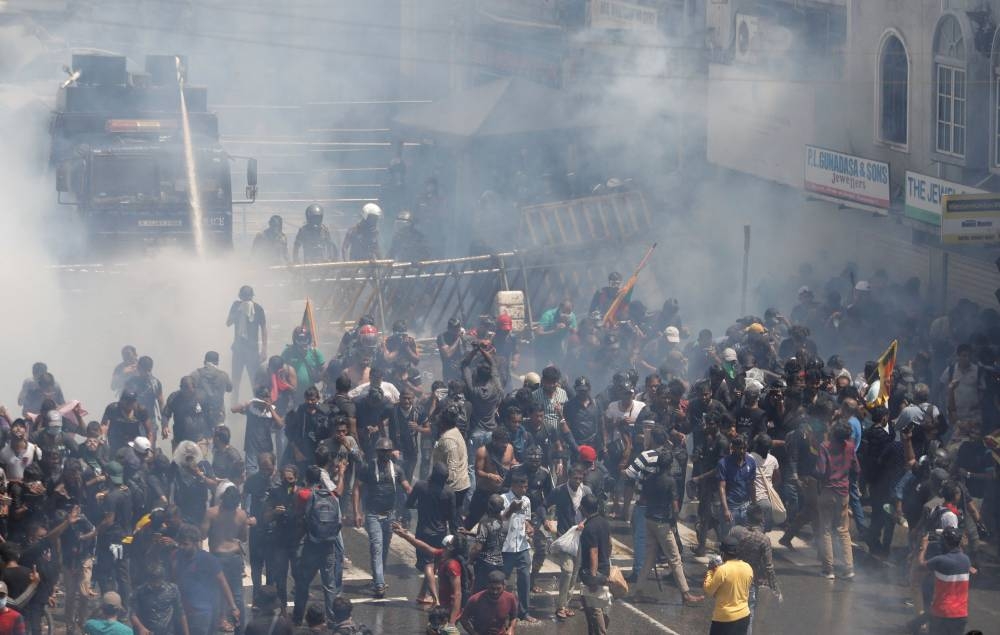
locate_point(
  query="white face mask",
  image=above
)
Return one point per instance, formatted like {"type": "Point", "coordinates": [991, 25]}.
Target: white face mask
{"type": "Point", "coordinates": [3, 603]}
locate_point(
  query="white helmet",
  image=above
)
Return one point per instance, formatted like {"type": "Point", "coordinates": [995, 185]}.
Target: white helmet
{"type": "Point", "coordinates": [371, 209]}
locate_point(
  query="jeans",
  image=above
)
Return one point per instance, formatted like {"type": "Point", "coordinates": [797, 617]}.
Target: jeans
{"type": "Point", "coordinates": [947, 625]}
{"type": "Point", "coordinates": [638, 521]}
{"type": "Point", "coordinates": [881, 528]}
{"type": "Point", "coordinates": [521, 561]}
{"type": "Point", "coordinates": [202, 622]}
{"type": "Point", "coordinates": [477, 440]}
{"type": "Point", "coordinates": [482, 574]}
{"type": "Point", "coordinates": [752, 603]}
{"type": "Point", "coordinates": [833, 519]}
{"type": "Point", "coordinates": [232, 568]}
{"type": "Point", "coordinates": [854, 504]}
{"type": "Point", "coordinates": [328, 559]}
{"type": "Point", "coordinates": [247, 360]}
{"type": "Point", "coordinates": [660, 537]}
{"type": "Point", "coordinates": [258, 557]}
{"type": "Point", "coordinates": [807, 513]}
{"type": "Point", "coordinates": [739, 513]}
{"type": "Point", "coordinates": [379, 528]}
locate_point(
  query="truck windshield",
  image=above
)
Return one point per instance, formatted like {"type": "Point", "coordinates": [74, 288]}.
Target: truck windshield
{"type": "Point", "coordinates": [156, 182]}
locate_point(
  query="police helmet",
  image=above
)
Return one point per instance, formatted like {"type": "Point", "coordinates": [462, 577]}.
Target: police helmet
{"type": "Point", "coordinates": [314, 213]}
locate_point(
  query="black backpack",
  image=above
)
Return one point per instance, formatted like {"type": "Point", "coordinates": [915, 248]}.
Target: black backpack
{"type": "Point", "coordinates": [323, 521]}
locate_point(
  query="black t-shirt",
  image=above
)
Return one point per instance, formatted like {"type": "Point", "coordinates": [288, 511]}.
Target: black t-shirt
{"type": "Point", "coordinates": [659, 493]}
{"type": "Point", "coordinates": [119, 502]}
{"type": "Point", "coordinates": [260, 424]}
{"type": "Point", "coordinates": [123, 428]}
{"type": "Point", "coordinates": [596, 533]}
{"type": "Point", "coordinates": [158, 607]}
{"type": "Point", "coordinates": [17, 580]}
{"type": "Point", "coordinates": [307, 429]}
{"type": "Point", "coordinates": [248, 341]}
{"type": "Point", "coordinates": [583, 421]}
{"type": "Point", "coordinates": [399, 430]}
{"type": "Point", "coordinates": [435, 509]}
{"type": "Point", "coordinates": [74, 550]}
{"type": "Point", "coordinates": [188, 415]}
{"type": "Point", "coordinates": [750, 421]}
{"type": "Point", "coordinates": [381, 483]}
{"type": "Point", "coordinates": [369, 413]}
{"type": "Point", "coordinates": [41, 556]}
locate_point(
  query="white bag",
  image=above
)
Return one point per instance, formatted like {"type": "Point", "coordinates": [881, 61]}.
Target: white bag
{"type": "Point", "coordinates": [568, 543]}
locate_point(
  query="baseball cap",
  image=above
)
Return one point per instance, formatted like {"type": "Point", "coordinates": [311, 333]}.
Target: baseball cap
{"type": "Point", "coordinates": [111, 600]}
{"type": "Point", "coordinates": [581, 383]}
{"type": "Point", "coordinates": [384, 443]}
{"type": "Point", "coordinates": [3, 588]}
{"type": "Point", "coordinates": [756, 327]}
{"type": "Point", "coordinates": [862, 285]}
{"type": "Point", "coordinates": [730, 544]}
{"type": "Point", "coordinates": [141, 445]}
{"type": "Point", "coordinates": [504, 322]}
{"type": "Point", "coordinates": [54, 417]}
{"type": "Point", "coordinates": [729, 355]}
{"type": "Point", "coordinates": [115, 472]}
{"type": "Point", "coordinates": [587, 453]}
{"type": "Point", "coordinates": [672, 334]}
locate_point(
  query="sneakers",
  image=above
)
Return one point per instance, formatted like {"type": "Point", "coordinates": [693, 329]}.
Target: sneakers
{"type": "Point", "coordinates": [379, 592]}
{"type": "Point", "coordinates": [847, 576]}
{"type": "Point", "coordinates": [786, 542]}
{"type": "Point", "coordinates": [828, 575]}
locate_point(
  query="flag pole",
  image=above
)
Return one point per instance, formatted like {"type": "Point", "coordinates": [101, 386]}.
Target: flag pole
{"type": "Point", "coordinates": [627, 287]}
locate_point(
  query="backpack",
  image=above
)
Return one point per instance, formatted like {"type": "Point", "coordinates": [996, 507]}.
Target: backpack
{"type": "Point", "coordinates": [322, 517]}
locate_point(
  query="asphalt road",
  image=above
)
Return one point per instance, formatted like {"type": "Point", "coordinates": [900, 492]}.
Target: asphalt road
{"type": "Point", "coordinates": [874, 602]}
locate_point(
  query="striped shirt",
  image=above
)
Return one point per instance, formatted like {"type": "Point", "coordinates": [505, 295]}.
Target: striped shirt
{"type": "Point", "coordinates": [643, 466]}
{"type": "Point", "coordinates": [951, 584]}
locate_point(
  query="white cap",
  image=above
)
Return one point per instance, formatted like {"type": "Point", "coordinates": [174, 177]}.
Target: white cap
{"type": "Point", "coordinates": [141, 445]}
{"type": "Point", "coordinates": [672, 334]}
{"type": "Point", "coordinates": [54, 418]}
{"type": "Point", "coordinates": [729, 355]}
{"type": "Point", "coordinates": [862, 285]}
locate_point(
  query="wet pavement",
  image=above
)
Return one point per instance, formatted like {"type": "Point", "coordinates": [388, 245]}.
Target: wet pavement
{"type": "Point", "coordinates": [871, 603]}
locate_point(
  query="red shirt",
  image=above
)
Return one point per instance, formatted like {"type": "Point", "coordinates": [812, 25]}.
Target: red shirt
{"type": "Point", "coordinates": [489, 616]}
{"type": "Point", "coordinates": [11, 622]}
{"type": "Point", "coordinates": [449, 573]}
{"type": "Point", "coordinates": [835, 466]}
{"type": "Point", "coordinates": [951, 584]}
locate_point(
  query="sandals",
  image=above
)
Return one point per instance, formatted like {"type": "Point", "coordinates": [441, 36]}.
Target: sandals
{"type": "Point", "coordinates": [565, 613]}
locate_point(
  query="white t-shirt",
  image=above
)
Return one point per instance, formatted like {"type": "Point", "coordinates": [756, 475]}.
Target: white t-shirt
{"type": "Point", "coordinates": [614, 413]}
{"type": "Point", "coordinates": [517, 536]}
{"type": "Point", "coordinates": [765, 471]}
{"type": "Point", "coordinates": [390, 392]}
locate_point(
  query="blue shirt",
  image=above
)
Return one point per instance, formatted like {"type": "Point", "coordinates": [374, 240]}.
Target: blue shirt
{"type": "Point", "coordinates": [855, 432]}
{"type": "Point", "coordinates": [739, 478]}
{"type": "Point", "coordinates": [105, 627]}
{"type": "Point", "coordinates": [197, 579]}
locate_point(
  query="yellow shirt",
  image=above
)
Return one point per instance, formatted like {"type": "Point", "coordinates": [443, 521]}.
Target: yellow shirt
{"type": "Point", "coordinates": [730, 584]}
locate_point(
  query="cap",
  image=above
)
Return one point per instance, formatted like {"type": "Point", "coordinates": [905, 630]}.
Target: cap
{"type": "Point", "coordinates": [3, 588]}
{"type": "Point", "coordinates": [730, 544]}
{"type": "Point", "coordinates": [588, 453]}
{"type": "Point", "coordinates": [504, 322]}
{"type": "Point", "coordinates": [581, 383]}
{"type": "Point", "coordinates": [628, 387]}
{"type": "Point", "coordinates": [729, 355]}
{"type": "Point", "coordinates": [532, 378]}
{"type": "Point", "coordinates": [862, 285]}
{"type": "Point", "coordinates": [672, 334]}
{"type": "Point", "coordinates": [115, 472]}
{"type": "Point", "coordinates": [384, 443]}
{"type": "Point", "coordinates": [112, 600]}
{"type": "Point", "coordinates": [805, 289]}
{"type": "Point", "coordinates": [756, 327]}
{"type": "Point", "coordinates": [54, 418]}
{"type": "Point", "coordinates": [141, 444]}
{"type": "Point", "coordinates": [447, 540]}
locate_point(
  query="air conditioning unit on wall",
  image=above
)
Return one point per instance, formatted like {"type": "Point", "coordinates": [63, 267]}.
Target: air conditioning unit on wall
{"type": "Point", "coordinates": [748, 38]}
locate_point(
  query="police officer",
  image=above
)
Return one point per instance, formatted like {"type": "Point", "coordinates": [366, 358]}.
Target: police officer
{"type": "Point", "coordinates": [314, 239]}
{"type": "Point", "coordinates": [271, 245]}
{"type": "Point", "coordinates": [361, 241]}
{"type": "Point", "coordinates": [408, 243]}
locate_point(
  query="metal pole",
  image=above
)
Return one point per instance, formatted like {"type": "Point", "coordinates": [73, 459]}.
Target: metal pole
{"type": "Point", "coordinates": [746, 269]}
{"type": "Point", "coordinates": [378, 295]}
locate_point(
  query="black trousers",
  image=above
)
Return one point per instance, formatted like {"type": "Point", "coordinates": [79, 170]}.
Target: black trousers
{"type": "Point", "coordinates": [738, 627]}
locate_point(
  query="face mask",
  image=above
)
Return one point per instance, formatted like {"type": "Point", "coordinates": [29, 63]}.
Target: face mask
{"type": "Point", "coordinates": [3, 603]}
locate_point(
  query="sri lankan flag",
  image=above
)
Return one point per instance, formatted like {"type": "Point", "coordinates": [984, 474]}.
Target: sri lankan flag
{"type": "Point", "coordinates": [309, 322]}
{"type": "Point", "coordinates": [625, 293]}
{"type": "Point", "coordinates": [886, 364]}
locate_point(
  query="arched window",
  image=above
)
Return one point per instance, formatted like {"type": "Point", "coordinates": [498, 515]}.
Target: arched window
{"type": "Point", "coordinates": [894, 76]}
{"type": "Point", "coordinates": [950, 87]}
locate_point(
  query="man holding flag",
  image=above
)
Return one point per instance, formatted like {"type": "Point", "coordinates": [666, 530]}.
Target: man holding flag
{"type": "Point", "coordinates": [302, 354]}
{"type": "Point", "coordinates": [620, 303]}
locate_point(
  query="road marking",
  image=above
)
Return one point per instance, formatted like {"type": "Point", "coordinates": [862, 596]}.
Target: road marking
{"type": "Point", "coordinates": [647, 618]}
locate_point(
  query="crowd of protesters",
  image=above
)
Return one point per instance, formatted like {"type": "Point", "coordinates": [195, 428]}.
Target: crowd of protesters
{"type": "Point", "coordinates": [529, 446]}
